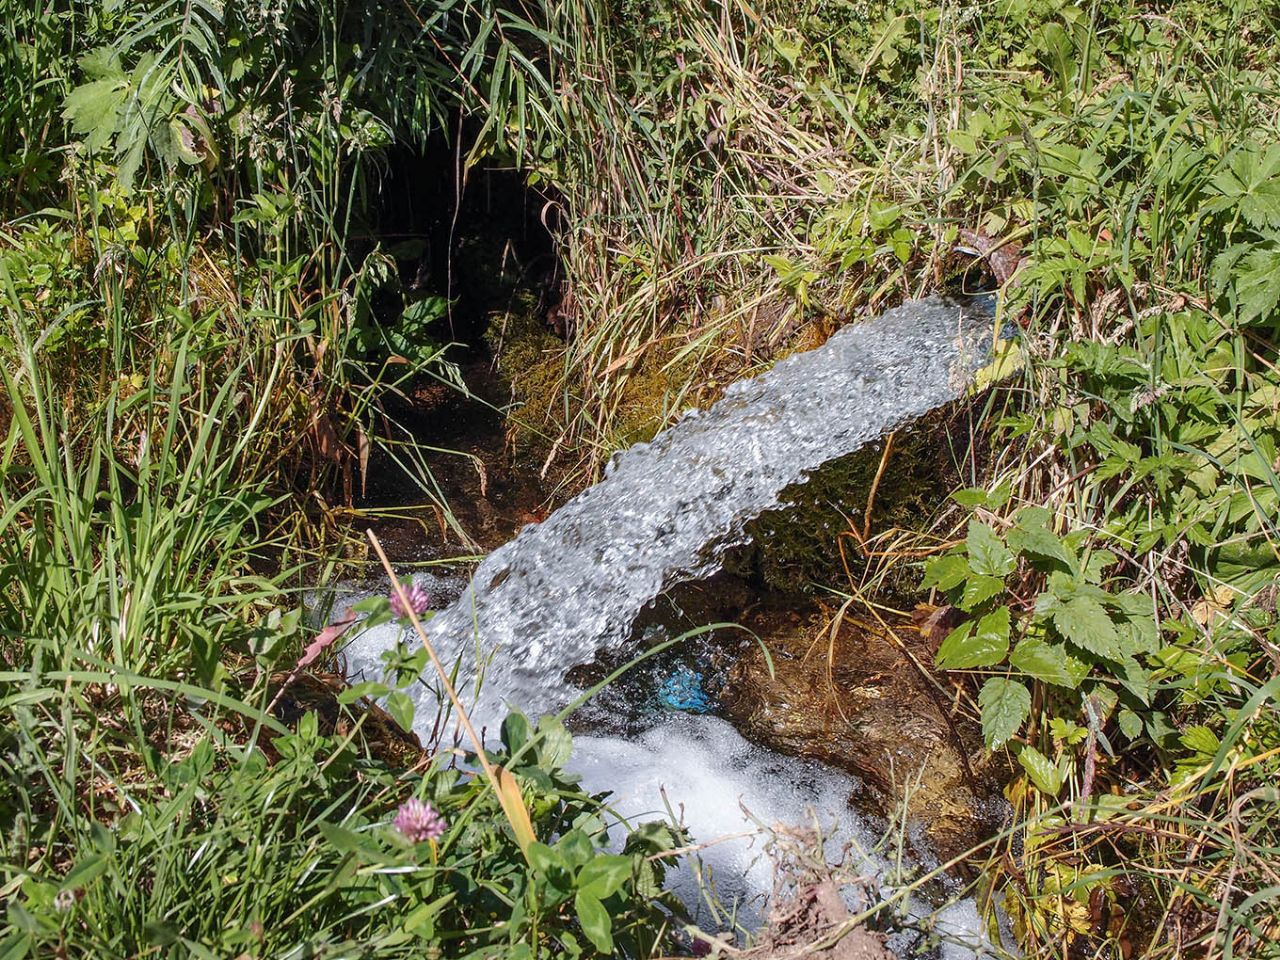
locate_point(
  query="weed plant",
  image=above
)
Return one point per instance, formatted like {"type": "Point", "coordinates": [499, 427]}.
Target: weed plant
{"type": "Point", "coordinates": [193, 375]}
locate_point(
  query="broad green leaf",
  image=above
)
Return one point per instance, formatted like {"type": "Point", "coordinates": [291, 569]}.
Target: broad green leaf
{"type": "Point", "coordinates": [978, 497]}
{"type": "Point", "coordinates": [400, 706]}
{"type": "Point", "coordinates": [595, 921]}
{"type": "Point", "coordinates": [545, 859]}
{"type": "Point", "coordinates": [1257, 284]}
{"type": "Point", "coordinates": [946, 572]}
{"type": "Point", "coordinates": [1096, 565]}
{"type": "Point", "coordinates": [1048, 662]}
{"type": "Point", "coordinates": [419, 919]}
{"type": "Point", "coordinates": [978, 590]}
{"type": "Point", "coordinates": [1042, 771]}
{"type": "Point", "coordinates": [1005, 706]}
{"type": "Point", "coordinates": [970, 497]}
{"type": "Point", "coordinates": [366, 688]}
{"type": "Point", "coordinates": [985, 645]}
{"type": "Point", "coordinates": [1135, 679]}
{"type": "Point", "coordinates": [604, 875]}
{"type": "Point", "coordinates": [85, 871]}
{"type": "Point", "coordinates": [1084, 621]}
{"type": "Point", "coordinates": [1252, 180]}
{"type": "Point", "coordinates": [1200, 740]}
{"type": "Point", "coordinates": [555, 744]}
{"type": "Point", "coordinates": [93, 110]}
{"type": "Point", "coordinates": [102, 64]}
{"type": "Point", "coordinates": [1034, 539]}
{"type": "Point", "coordinates": [987, 553]}
{"type": "Point", "coordinates": [1130, 723]}
{"type": "Point", "coordinates": [1136, 622]}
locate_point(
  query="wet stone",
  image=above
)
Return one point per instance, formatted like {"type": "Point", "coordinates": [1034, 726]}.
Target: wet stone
{"type": "Point", "coordinates": [856, 702]}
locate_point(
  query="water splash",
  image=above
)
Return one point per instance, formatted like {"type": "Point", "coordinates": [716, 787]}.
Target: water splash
{"type": "Point", "coordinates": [666, 511]}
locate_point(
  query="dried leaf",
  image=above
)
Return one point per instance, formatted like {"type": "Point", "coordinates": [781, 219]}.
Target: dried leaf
{"type": "Point", "coordinates": [326, 638]}
{"type": "Point", "coordinates": [513, 806]}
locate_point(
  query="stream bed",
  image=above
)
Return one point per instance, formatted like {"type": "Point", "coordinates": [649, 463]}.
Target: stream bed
{"type": "Point", "coordinates": [567, 592]}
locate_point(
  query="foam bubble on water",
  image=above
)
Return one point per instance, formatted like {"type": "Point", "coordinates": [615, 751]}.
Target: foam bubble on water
{"type": "Point", "coordinates": [709, 774]}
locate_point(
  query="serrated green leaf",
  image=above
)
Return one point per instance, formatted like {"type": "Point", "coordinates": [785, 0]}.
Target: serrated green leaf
{"type": "Point", "coordinates": [1042, 771]}
{"type": "Point", "coordinates": [987, 553]}
{"type": "Point", "coordinates": [93, 109]}
{"type": "Point", "coordinates": [1250, 179]}
{"type": "Point", "coordinates": [970, 497]}
{"type": "Point", "coordinates": [1200, 740]}
{"type": "Point", "coordinates": [1005, 706]}
{"type": "Point", "coordinates": [1033, 539]}
{"type": "Point", "coordinates": [1096, 565]}
{"type": "Point", "coordinates": [102, 64]}
{"type": "Point", "coordinates": [946, 572]}
{"type": "Point", "coordinates": [1257, 284]}
{"type": "Point", "coordinates": [983, 644]}
{"type": "Point", "coordinates": [1136, 622]}
{"type": "Point", "coordinates": [1134, 678]}
{"type": "Point", "coordinates": [1049, 663]}
{"type": "Point", "coordinates": [1084, 621]}
{"type": "Point", "coordinates": [1224, 267]}
{"type": "Point", "coordinates": [1130, 723]}
{"type": "Point", "coordinates": [978, 590]}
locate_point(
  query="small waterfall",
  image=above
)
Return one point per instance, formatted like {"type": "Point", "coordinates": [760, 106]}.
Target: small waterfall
{"type": "Point", "coordinates": [667, 510]}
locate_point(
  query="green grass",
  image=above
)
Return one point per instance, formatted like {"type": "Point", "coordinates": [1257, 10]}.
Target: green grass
{"type": "Point", "coordinates": [194, 380]}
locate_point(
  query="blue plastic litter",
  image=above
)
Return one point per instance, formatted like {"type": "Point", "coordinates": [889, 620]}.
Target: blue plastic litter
{"type": "Point", "coordinates": [682, 690]}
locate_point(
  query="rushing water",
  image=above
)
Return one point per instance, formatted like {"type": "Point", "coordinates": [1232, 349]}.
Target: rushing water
{"type": "Point", "coordinates": [666, 511]}
{"type": "Point", "coordinates": [564, 590]}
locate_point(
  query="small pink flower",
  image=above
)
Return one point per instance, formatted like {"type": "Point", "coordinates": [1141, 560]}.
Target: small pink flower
{"type": "Point", "coordinates": [419, 600]}
{"type": "Point", "coordinates": [419, 821]}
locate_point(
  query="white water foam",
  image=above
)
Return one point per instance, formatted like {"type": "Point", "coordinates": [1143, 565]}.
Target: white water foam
{"type": "Point", "coordinates": [715, 782]}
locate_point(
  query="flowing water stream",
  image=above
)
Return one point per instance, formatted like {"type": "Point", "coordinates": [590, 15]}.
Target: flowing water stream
{"type": "Point", "coordinates": [571, 587]}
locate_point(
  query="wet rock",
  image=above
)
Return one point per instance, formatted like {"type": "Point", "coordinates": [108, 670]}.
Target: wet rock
{"type": "Point", "coordinates": [853, 699]}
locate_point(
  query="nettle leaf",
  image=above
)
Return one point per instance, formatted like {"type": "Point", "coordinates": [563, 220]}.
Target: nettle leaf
{"type": "Point", "coordinates": [973, 497]}
{"type": "Point", "coordinates": [982, 645]}
{"type": "Point", "coordinates": [1049, 663]}
{"type": "Point", "coordinates": [1135, 679]}
{"type": "Point", "coordinates": [1224, 265]}
{"type": "Point", "coordinates": [1005, 706]}
{"type": "Point", "coordinates": [1096, 565]}
{"type": "Point", "coordinates": [1084, 621]}
{"type": "Point", "coordinates": [1043, 772]}
{"type": "Point", "coordinates": [946, 572]}
{"type": "Point", "coordinates": [102, 64]}
{"type": "Point", "coordinates": [987, 553]}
